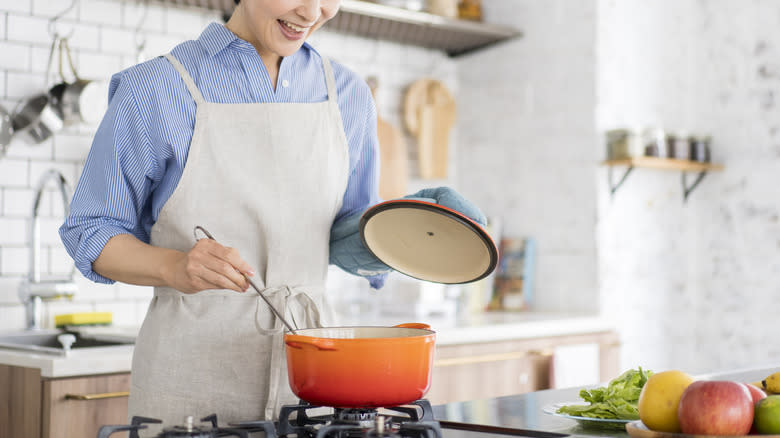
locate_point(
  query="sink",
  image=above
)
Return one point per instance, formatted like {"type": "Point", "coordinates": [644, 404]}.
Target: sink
{"type": "Point", "coordinates": [45, 341]}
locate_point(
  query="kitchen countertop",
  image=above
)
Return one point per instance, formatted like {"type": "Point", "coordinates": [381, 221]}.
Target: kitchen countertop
{"type": "Point", "coordinates": [495, 326]}
{"type": "Point", "coordinates": [80, 362]}
{"type": "Point", "coordinates": [525, 411]}
{"type": "Point", "coordinates": [478, 328]}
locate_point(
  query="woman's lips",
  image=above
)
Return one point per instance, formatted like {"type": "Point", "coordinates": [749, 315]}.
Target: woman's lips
{"type": "Point", "coordinates": [289, 32]}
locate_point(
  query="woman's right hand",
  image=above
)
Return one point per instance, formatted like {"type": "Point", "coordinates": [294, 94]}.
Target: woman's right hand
{"type": "Point", "coordinates": [209, 265]}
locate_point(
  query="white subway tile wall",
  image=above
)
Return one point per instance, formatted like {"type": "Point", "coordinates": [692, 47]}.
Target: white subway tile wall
{"type": "Point", "coordinates": [105, 35]}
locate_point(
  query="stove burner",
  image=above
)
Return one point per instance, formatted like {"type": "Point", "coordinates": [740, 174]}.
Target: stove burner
{"type": "Point", "coordinates": [187, 430]}
{"type": "Point", "coordinates": [416, 422]}
{"type": "Point", "coordinates": [362, 417]}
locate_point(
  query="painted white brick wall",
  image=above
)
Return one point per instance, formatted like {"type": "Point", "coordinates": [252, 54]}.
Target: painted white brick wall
{"type": "Point", "coordinates": [687, 285]}
{"type": "Point", "coordinates": [692, 286]}
{"type": "Point", "coordinates": [526, 136]}
{"type": "Point", "coordinates": [104, 42]}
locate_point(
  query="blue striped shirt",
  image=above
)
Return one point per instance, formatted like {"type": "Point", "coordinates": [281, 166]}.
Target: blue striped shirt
{"type": "Point", "coordinates": [140, 148]}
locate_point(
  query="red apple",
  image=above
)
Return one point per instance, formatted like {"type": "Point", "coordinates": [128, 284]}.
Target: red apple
{"type": "Point", "coordinates": [715, 407]}
{"type": "Point", "coordinates": [755, 393]}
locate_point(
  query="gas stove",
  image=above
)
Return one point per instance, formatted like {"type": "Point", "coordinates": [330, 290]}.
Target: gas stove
{"type": "Point", "coordinates": [410, 421]}
{"type": "Point", "coordinates": [304, 420]}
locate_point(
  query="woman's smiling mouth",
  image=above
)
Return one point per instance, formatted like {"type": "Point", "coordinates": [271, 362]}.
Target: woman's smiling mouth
{"type": "Point", "coordinates": [291, 29]}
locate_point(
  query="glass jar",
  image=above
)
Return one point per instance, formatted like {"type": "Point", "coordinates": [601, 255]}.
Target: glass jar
{"type": "Point", "coordinates": [700, 148]}
{"type": "Point", "coordinates": [678, 146]}
{"type": "Point", "coordinates": [618, 141]}
{"type": "Point", "coordinates": [654, 141]}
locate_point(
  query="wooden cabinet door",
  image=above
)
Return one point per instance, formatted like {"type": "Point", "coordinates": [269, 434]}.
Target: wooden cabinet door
{"type": "Point", "coordinates": [495, 369]}
{"type": "Point", "coordinates": [77, 407]}
{"type": "Point", "coordinates": [479, 375]}
{"type": "Point", "coordinates": [20, 402]}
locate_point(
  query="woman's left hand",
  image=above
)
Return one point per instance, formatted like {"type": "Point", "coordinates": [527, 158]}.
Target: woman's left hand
{"type": "Point", "coordinates": [451, 199]}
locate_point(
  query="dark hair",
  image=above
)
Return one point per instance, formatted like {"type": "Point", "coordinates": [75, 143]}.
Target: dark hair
{"type": "Point", "coordinates": [236, 1]}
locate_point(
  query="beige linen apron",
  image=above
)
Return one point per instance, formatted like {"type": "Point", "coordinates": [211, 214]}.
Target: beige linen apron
{"type": "Point", "coordinates": [268, 180]}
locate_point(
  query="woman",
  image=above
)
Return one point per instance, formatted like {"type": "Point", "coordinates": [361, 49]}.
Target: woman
{"type": "Point", "coordinates": [250, 133]}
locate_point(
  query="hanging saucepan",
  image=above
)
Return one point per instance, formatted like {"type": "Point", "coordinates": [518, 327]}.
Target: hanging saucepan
{"type": "Point", "coordinates": [360, 367]}
{"type": "Point", "coordinates": [79, 101]}
{"type": "Point", "coordinates": [37, 119]}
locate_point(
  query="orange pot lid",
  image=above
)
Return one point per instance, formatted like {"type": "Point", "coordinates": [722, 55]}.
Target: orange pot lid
{"type": "Point", "coordinates": [428, 241]}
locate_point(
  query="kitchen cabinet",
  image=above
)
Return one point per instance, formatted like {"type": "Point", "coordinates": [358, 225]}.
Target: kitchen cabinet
{"type": "Point", "coordinates": [684, 166]}
{"type": "Point", "coordinates": [496, 369]}
{"type": "Point", "coordinates": [60, 407]}
{"type": "Point", "coordinates": [454, 37]}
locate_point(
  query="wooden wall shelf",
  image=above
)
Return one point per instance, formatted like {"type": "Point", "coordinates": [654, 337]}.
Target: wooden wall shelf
{"type": "Point", "coordinates": [684, 166]}
{"type": "Point", "coordinates": [665, 163]}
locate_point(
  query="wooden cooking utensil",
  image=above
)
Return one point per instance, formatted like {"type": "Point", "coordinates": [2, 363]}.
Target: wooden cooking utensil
{"type": "Point", "coordinates": [425, 140]}
{"type": "Point", "coordinates": [429, 113]}
{"type": "Point", "coordinates": [394, 161]}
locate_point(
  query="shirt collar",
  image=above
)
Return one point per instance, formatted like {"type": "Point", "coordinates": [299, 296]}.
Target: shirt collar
{"type": "Point", "coordinates": [216, 37]}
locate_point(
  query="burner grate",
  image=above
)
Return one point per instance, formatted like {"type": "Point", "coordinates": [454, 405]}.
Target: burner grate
{"type": "Point", "coordinates": [415, 421]}
{"type": "Point", "coordinates": [189, 430]}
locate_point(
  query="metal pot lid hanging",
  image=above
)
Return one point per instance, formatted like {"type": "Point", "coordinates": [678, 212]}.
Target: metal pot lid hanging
{"type": "Point", "coordinates": [428, 241]}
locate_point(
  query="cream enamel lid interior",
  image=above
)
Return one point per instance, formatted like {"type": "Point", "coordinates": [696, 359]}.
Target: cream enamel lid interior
{"type": "Point", "coordinates": [429, 244]}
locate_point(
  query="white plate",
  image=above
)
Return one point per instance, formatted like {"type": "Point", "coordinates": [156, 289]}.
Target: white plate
{"type": "Point", "coordinates": [585, 421]}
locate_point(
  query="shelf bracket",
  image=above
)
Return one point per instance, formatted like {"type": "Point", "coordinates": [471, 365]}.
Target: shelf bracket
{"type": "Point", "coordinates": [614, 187]}
{"type": "Point", "coordinates": [688, 189]}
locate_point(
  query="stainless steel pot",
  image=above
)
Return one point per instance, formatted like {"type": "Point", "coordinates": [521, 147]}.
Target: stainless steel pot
{"type": "Point", "coordinates": [37, 120]}
{"type": "Point", "coordinates": [82, 100]}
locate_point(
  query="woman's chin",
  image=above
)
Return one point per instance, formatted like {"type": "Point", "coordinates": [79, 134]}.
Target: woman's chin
{"type": "Point", "coordinates": [287, 49]}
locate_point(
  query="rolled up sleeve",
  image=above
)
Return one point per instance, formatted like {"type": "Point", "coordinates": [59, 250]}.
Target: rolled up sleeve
{"type": "Point", "coordinates": [112, 194]}
{"type": "Point", "coordinates": [363, 184]}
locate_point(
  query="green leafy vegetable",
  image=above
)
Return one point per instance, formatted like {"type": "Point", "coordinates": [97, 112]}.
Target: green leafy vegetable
{"type": "Point", "coordinates": [617, 401]}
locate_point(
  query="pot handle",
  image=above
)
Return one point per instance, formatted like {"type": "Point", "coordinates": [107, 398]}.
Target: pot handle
{"type": "Point", "coordinates": [318, 343]}
{"type": "Point", "coordinates": [417, 325]}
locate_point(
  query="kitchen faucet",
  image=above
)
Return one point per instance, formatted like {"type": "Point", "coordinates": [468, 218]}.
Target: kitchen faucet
{"type": "Point", "coordinates": [33, 290]}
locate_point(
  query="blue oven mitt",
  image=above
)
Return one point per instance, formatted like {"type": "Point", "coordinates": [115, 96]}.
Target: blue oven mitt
{"type": "Point", "coordinates": [451, 199]}
{"type": "Point", "coordinates": [348, 252]}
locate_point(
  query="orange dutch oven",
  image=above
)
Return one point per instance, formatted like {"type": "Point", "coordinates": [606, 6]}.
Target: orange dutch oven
{"type": "Point", "coordinates": [360, 367]}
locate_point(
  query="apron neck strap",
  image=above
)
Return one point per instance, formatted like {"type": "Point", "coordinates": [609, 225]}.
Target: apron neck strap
{"type": "Point", "coordinates": [193, 89]}
{"type": "Point", "coordinates": [329, 79]}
